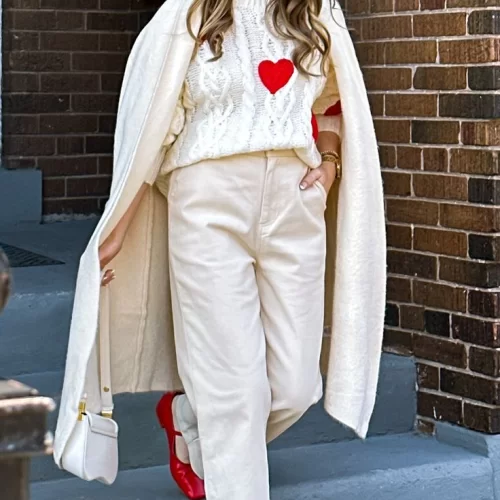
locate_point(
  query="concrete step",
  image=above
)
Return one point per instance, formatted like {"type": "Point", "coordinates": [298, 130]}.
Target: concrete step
{"type": "Point", "coordinates": [394, 413]}
{"type": "Point", "coordinates": [403, 467]}
{"type": "Point", "coordinates": [34, 327]}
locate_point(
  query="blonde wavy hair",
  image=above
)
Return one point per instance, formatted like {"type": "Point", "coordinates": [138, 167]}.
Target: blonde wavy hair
{"type": "Point", "coordinates": [296, 20]}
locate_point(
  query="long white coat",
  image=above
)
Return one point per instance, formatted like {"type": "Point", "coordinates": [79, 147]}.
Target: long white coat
{"type": "Point", "coordinates": [142, 343]}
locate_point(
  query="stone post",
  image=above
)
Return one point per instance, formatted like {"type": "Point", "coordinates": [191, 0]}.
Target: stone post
{"type": "Point", "coordinates": [23, 434]}
{"type": "Point", "coordinates": [23, 422]}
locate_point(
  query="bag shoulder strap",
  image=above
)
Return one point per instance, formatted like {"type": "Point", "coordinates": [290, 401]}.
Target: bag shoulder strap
{"type": "Point", "coordinates": [105, 355]}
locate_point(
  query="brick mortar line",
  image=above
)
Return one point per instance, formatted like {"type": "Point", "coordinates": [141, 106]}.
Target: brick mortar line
{"type": "Point", "coordinates": [448, 201]}
{"type": "Point", "coordinates": [465, 371]}
{"type": "Point", "coordinates": [71, 92]}
{"type": "Point", "coordinates": [83, 11]}
{"type": "Point", "coordinates": [448, 147]}
{"type": "Point", "coordinates": [66, 198]}
{"type": "Point", "coordinates": [449, 339]}
{"type": "Point", "coordinates": [429, 65]}
{"type": "Point", "coordinates": [467, 288]}
{"type": "Point", "coordinates": [56, 135]}
{"type": "Point", "coordinates": [465, 175]}
{"type": "Point", "coordinates": [436, 146]}
{"type": "Point", "coordinates": [432, 92]}
{"type": "Point", "coordinates": [431, 38]}
{"type": "Point", "coordinates": [65, 113]}
{"type": "Point", "coordinates": [442, 201]}
{"type": "Point", "coordinates": [78, 177]}
{"type": "Point", "coordinates": [62, 156]}
{"type": "Point", "coordinates": [487, 319]}
{"type": "Point", "coordinates": [420, 118]}
{"type": "Point", "coordinates": [448, 256]}
{"type": "Point", "coordinates": [56, 156]}
{"type": "Point", "coordinates": [70, 51]}
{"type": "Point", "coordinates": [63, 74]}
{"type": "Point", "coordinates": [419, 12]}
{"type": "Point", "coordinates": [414, 226]}
{"type": "Point", "coordinates": [444, 255]}
{"type": "Point", "coordinates": [438, 39]}
{"type": "Point", "coordinates": [75, 31]}
{"type": "Point", "coordinates": [440, 118]}
{"type": "Point", "coordinates": [468, 232]}
{"type": "Point", "coordinates": [445, 200]}
{"type": "Point", "coordinates": [69, 157]}
{"type": "Point", "coordinates": [412, 250]}
{"type": "Point", "coordinates": [68, 32]}
{"type": "Point", "coordinates": [462, 399]}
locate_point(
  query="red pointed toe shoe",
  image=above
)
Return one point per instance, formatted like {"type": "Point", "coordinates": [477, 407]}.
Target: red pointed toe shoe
{"type": "Point", "coordinates": [189, 483]}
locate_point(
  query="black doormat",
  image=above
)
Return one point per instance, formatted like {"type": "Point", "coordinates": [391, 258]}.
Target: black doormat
{"type": "Point", "coordinates": [18, 257]}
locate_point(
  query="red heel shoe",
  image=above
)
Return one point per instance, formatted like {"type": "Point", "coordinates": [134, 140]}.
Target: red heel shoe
{"type": "Point", "coordinates": [189, 483]}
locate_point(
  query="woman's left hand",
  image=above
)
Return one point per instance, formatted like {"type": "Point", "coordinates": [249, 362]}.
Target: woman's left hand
{"type": "Point", "coordinates": [325, 173]}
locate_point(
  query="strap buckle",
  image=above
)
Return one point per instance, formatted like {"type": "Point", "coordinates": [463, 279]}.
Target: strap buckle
{"type": "Point", "coordinates": [82, 408]}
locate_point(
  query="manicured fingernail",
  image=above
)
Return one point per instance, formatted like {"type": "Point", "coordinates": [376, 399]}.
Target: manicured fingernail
{"type": "Point", "coordinates": [303, 185]}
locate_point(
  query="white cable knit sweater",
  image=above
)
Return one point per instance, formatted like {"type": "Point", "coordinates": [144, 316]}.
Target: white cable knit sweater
{"type": "Point", "coordinates": [251, 99]}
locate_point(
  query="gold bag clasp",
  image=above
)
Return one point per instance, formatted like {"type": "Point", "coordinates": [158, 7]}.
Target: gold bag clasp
{"type": "Point", "coordinates": [82, 408]}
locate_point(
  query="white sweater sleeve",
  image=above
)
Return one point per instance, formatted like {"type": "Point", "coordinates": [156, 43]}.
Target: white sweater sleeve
{"type": "Point", "coordinates": [327, 107]}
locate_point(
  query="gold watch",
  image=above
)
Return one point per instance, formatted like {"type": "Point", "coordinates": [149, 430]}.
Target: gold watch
{"type": "Point", "coordinates": [333, 157]}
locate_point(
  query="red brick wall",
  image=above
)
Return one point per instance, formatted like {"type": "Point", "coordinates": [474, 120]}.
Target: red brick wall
{"type": "Point", "coordinates": [433, 74]}
{"type": "Point", "coordinates": [62, 69]}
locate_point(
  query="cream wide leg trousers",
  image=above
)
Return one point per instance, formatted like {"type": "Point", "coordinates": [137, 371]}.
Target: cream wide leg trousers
{"type": "Point", "coordinates": [247, 262]}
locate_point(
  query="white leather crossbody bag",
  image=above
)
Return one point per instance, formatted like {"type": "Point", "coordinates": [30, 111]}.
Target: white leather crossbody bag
{"type": "Point", "coordinates": [92, 450]}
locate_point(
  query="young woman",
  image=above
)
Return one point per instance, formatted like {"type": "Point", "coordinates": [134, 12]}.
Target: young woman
{"type": "Point", "coordinates": [230, 118]}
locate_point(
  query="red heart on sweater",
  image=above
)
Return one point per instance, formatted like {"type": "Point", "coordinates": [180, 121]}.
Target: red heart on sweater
{"type": "Point", "coordinates": [334, 110]}
{"type": "Point", "coordinates": [276, 75]}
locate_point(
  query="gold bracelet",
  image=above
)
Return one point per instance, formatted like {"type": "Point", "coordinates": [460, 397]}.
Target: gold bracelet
{"type": "Point", "coordinates": [333, 157]}
{"type": "Point", "coordinates": [330, 153]}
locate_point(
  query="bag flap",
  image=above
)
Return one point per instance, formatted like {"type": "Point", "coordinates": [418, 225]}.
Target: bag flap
{"type": "Point", "coordinates": [102, 425]}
